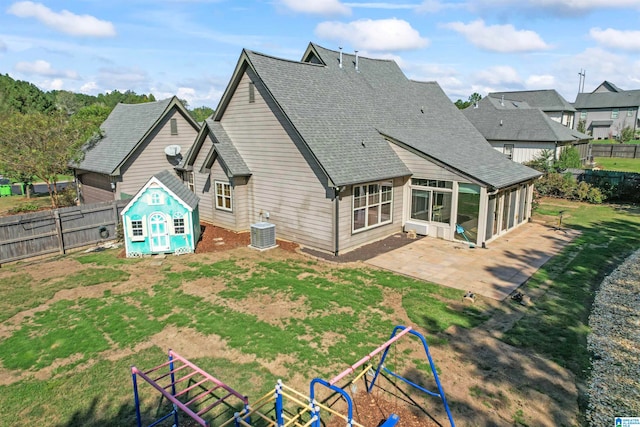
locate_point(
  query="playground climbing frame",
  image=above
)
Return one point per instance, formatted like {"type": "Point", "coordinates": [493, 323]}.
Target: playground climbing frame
{"type": "Point", "coordinates": [183, 378]}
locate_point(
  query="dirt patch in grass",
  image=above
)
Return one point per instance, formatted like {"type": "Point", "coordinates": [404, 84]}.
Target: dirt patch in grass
{"type": "Point", "coordinates": [217, 239]}
{"type": "Point", "coordinates": [486, 381]}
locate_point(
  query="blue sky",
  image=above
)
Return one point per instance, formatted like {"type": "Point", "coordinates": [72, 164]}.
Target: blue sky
{"type": "Point", "coordinates": [190, 47]}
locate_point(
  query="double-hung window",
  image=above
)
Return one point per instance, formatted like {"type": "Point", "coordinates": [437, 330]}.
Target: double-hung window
{"type": "Point", "coordinates": [615, 113]}
{"type": "Point", "coordinates": [372, 205]}
{"type": "Point", "coordinates": [190, 182]}
{"type": "Point", "coordinates": [223, 196]}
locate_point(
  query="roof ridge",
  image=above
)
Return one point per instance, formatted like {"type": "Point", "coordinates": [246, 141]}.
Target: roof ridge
{"type": "Point", "coordinates": [293, 61]}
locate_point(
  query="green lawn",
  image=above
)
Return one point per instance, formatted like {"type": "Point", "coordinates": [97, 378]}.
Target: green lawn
{"type": "Point", "coordinates": [65, 361]}
{"type": "Point", "coordinates": [331, 317]}
{"type": "Point", "coordinates": [558, 325]}
{"type": "Point", "coordinates": [614, 141]}
{"type": "Point", "coordinates": [618, 164]}
{"type": "Point", "coordinates": [8, 203]}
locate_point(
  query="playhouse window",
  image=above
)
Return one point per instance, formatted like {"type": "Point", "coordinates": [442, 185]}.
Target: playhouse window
{"type": "Point", "coordinates": [136, 228]}
{"type": "Point", "coordinates": [155, 198]}
{"type": "Point", "coordinates": [178, 225]}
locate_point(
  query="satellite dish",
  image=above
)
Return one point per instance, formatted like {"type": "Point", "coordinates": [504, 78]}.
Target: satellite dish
{"type": "Point", "coordinates": [172, 150]}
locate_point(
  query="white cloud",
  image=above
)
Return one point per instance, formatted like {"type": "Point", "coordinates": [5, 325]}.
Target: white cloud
{"type": "Point", "coordinates": [499, 38]}
{"type": "Point", "coordinates": [617, 39]}
{"type": "Point", "coordinates": [43, 68]}
{"type": "Point", "coordinates": [89, 87]}
{"type": "Point", "coordinates": [65, 21]}
{"type": "Point", "coordinates": [565, 7]}
{"type": "Point", "coordinates": [435, 6]}
{"type": "Point", "coordinates": [317, 7]}
{"type": "Point", "coordinates": [583, 4]}
{"type": "Point", "coordinates": [3, 46]}
{"type": "Point", "coordinates": [500, 75]}
{"type": "Point", "coordinates": [55, 84]}
{"type": "Point", "coordinates": [382, 5]}
{"type": "Point", "coordinates": [122, 79]}
{"type": "Point", "coordinates": [543, 81]}
{"type": "Point", "coordinates": [373, 35]}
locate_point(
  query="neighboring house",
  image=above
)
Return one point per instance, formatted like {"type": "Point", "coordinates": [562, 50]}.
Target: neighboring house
{"type": "Point", "coordinates": [548, 100]}
{"type": "Point", "coordinates": [133, 148]}
{"type": "Point", "coordinates": [608, 110]}
{"type": "Point", "coordinates": [338, 151]}
{"type": "Point", "coordinates": [520, 131]}
{"type": "Point", "coordinates": [161, 218]}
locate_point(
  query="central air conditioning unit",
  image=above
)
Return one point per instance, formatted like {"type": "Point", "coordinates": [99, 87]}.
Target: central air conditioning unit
{"type": "Point", "coordinates": [263, 235]}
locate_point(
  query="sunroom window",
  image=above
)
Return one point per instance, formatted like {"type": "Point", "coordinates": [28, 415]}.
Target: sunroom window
{"type": "Point", "coordinates": [431, 200]}
{"type": "Point", "coordinates": [372, 205]}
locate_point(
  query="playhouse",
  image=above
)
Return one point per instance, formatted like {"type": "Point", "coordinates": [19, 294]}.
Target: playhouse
{"type": "Point", "coordinates": [161, 218]}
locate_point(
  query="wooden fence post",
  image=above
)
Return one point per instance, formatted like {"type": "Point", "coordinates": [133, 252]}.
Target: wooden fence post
{"type": "Point", "coordinates": [58, 221]}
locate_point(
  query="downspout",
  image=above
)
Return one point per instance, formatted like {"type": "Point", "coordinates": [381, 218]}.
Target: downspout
{"type": "Point", "coordinates": [336, 221]}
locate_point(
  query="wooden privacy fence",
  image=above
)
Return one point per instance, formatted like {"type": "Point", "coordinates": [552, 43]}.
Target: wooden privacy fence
{"type": "Point", "coordinates": [56, 231]}
{"type": "Point", "coordinates": [627, 151]}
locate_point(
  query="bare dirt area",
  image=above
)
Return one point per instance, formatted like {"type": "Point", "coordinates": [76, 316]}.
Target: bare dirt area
{"type": "Point", "coordinates": [487, 382]}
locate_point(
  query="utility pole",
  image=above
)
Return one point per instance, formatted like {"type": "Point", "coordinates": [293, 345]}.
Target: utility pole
{"type": "Point", "coordinates": [582, 75]}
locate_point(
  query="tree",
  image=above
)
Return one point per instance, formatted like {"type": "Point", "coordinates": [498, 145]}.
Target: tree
{"type": "Point", "coordinates": [199, 114]}
{"type": "Point", "coordinates": [569, 158]}
{"type": "Point", "coordinates": [41, 145]}
{"type": "Point", "coordinates": [581, 125]}
{"type": "Point", "coordinates": [17, 96]}
{"type": "Point", "coordinates": [474, 98]}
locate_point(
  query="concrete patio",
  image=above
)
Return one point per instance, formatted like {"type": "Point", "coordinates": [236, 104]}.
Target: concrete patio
{"type": "Point", "coordinates": [494, 272]}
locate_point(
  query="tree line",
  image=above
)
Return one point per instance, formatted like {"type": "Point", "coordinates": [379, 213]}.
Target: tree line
{"type": "Point", "coordinates": [41, 133]}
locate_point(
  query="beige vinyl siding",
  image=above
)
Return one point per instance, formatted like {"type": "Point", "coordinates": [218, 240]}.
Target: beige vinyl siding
{"type": "Point", "coordinates": [350, 240]}
{"type": "Point", "coordinates": [202, 183]}
{"type": "Point", "coordinates": [95, 188]}
{"type": "Point", "coordinates": [149, 158]}
{"type": "Point", "coordinates": [295, 196]}
{"type": "Point", "coordinates": [525, 151]}
{"type": "Point", "coordinates": [423, 168]}
{"type": "Point", "coordinates": [222, 217]}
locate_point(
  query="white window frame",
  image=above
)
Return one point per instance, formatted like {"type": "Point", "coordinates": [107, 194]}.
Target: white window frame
{"type": "Point", "coordinates": [615, 113]}
{"type": "Point", "coordinates": [136, 229]}
{"type": "Point", "coordinates": [508, 150]}
{"type": "Point", "coordinates": [191, 182]}
{"type": "Point", "coordinates": [156, 198]}
{"type": "Point", "coordinates": [223, 196]}
{"type": "Point", "coordinates": [436, 190]}
{"type": "Point", "coordinates": [179, 223]}
{"type": "Point", "coordinates": [583, 115]}
{"type": "Point", "coordinates": [371, 201]}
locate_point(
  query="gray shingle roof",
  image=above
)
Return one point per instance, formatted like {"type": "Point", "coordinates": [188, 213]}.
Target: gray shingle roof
{"type": "Point", "coordinates": [122, 131]}
{"type": "Point", "coordinates": [546, 100]}
{"type": "Point", "coordinates": [517, 121]}
{"type": "Point", "coordinates": [169, 180]}
{"type": "Point", "coordinates": [622, 99]}
{"type": "Point", "coordinates": [340, 113]}
{"type": "Point", "coordinates": [226, 151]}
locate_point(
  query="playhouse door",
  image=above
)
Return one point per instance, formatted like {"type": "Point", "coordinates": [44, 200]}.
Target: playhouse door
{"type": "Point", "coordinates": [158, 232]}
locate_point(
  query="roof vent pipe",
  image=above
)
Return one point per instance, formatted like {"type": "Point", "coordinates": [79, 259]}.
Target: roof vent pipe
{"type": "Point", "coordinates": [357, 69]}
{"type": "Point", "coordinates": [340, 65]}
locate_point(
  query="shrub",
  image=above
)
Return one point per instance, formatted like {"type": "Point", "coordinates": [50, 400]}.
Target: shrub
{"type": "Point", "coordinates": [24, 208]}
{"type": "Point", "coordinates": [565, 186]}
{"type": "Point", "coordinates": [67, 197]}
{"type": "Point", "coordinates": [626, 134]}
{"type": "Point", "coordinates": [569, 158]}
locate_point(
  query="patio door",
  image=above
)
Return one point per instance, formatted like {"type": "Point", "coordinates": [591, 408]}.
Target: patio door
{"type": "Point", "coordinates": [158, 232]}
